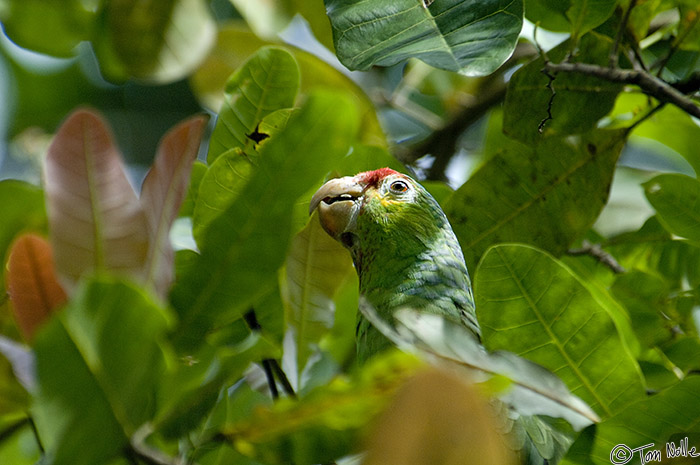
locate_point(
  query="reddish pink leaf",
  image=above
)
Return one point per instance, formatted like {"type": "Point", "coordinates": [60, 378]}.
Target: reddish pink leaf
{"type": "Point", "coordinates": [162, 194]}
{"type": "Point", "coordinates": [95, 218]}
{"type": "Point", "coordinates": [31, 283]}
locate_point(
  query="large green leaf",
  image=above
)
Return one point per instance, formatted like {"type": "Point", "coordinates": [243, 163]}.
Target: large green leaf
{"type": "Point", "coordinates": [546, 196]}
{"type": "Point", "coordinates": [580, 101]}
{"type": "Point", "coordinates": [242, 248]}
{"type": "Point", "coordinates": [670, 416]}
{"type": "Point", "coordinates": [222, 182]}
{"type": "Point", "coordinates": [531, 304]}
{"type": "Point", "coordinates": [266, 82]}
{"type": "Point", "coordinates": [98, 365]}
{"type": "Point", "coordinates": [473, 38]}
{"type": "Point", "coordinates": [315, 268]}
{"type": "Point", "coordinates": [676, 199]}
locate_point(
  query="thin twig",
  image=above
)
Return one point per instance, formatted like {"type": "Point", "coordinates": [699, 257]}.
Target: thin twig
{"type": "Point", "coordinates": [282, 377]}
{"type": "Point", "coordinates": [597, 252]}
{"type": "Point", "coordinates": [650, 84]}
{"type": "Point", "coordinates": [270, 366]}
{"type": "Point", "coordinates": [613, 59]}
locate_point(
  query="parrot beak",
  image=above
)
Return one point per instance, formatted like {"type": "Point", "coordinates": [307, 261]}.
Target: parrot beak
{"type": "Point", "coordinates": [338, 202]}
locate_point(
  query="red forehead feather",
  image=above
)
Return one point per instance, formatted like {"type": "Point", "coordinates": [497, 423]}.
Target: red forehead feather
{"type": "Point", "coordinates": [372, 178]}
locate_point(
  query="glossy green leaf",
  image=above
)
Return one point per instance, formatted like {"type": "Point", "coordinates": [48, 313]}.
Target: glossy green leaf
{"type": "Point", "coordinates": [580, 100]}
{"type": "Point", "coordinates": [230, 171]}
{"type": "Point", "coordinates": [531, 304]}
{"type": "Point", "coordinates": [158, 42]}
{"type": "Point", "coordinates": [93, 388]}
{"type": "Point", "coordinates": [676, 199]}
{"type": "Point", "coordinates": [266, 82]}
{"type": "Point", "coordinates": [242, 248]}
{"type": "Point", "coordinates": [473, 38]}
{"type": "Point", "coordinates": [546, 196]}
{"type": "Point", "coordinates": [670, 416]}
{"type": "Point", "coordinates": [220, 185]}
{"type": "Point", "coordinates": [315, 268]}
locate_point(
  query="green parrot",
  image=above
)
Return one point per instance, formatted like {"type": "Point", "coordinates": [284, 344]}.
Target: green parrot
{"type": "Point", "coordinates": [404, 250]}
{"type": "Point", "coordinates": [407, 256]}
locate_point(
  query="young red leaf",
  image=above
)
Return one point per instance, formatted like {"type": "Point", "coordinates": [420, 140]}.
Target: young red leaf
{"type": "Point", "coordinates": [95, 218]}
{"type": "Point", "coordinates": [31, 283]}
{"type": "Point", "coordinates": [162, 194]}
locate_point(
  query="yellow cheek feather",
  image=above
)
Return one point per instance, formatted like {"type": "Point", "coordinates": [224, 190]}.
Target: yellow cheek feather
{"type": "Point", "coordinates": [386, 202]}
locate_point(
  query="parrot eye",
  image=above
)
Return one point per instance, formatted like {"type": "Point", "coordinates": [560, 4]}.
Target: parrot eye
{"type": "Point", "coordinates": [398, 187]}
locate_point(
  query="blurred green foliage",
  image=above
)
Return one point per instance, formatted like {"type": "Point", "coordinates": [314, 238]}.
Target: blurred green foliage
{"type": "Point", "coordinates": [595, 180]}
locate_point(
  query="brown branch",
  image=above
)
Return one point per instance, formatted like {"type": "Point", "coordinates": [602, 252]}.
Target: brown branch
{"type": "Point", "coordinates": [650, 84]}
{"type": "Point", "coordinates": [597, 252]}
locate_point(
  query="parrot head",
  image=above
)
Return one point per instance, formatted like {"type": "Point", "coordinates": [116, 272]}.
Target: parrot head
{"type": "Point", "coordinates": [380, 207]}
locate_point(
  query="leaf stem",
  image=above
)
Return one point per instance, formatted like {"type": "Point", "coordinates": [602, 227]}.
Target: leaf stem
{"type": "Point", "coordinates": [270, 366]}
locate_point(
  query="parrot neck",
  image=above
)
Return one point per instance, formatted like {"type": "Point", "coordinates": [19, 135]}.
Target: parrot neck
{"type": "Point", "coordinates": [403, 273]}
